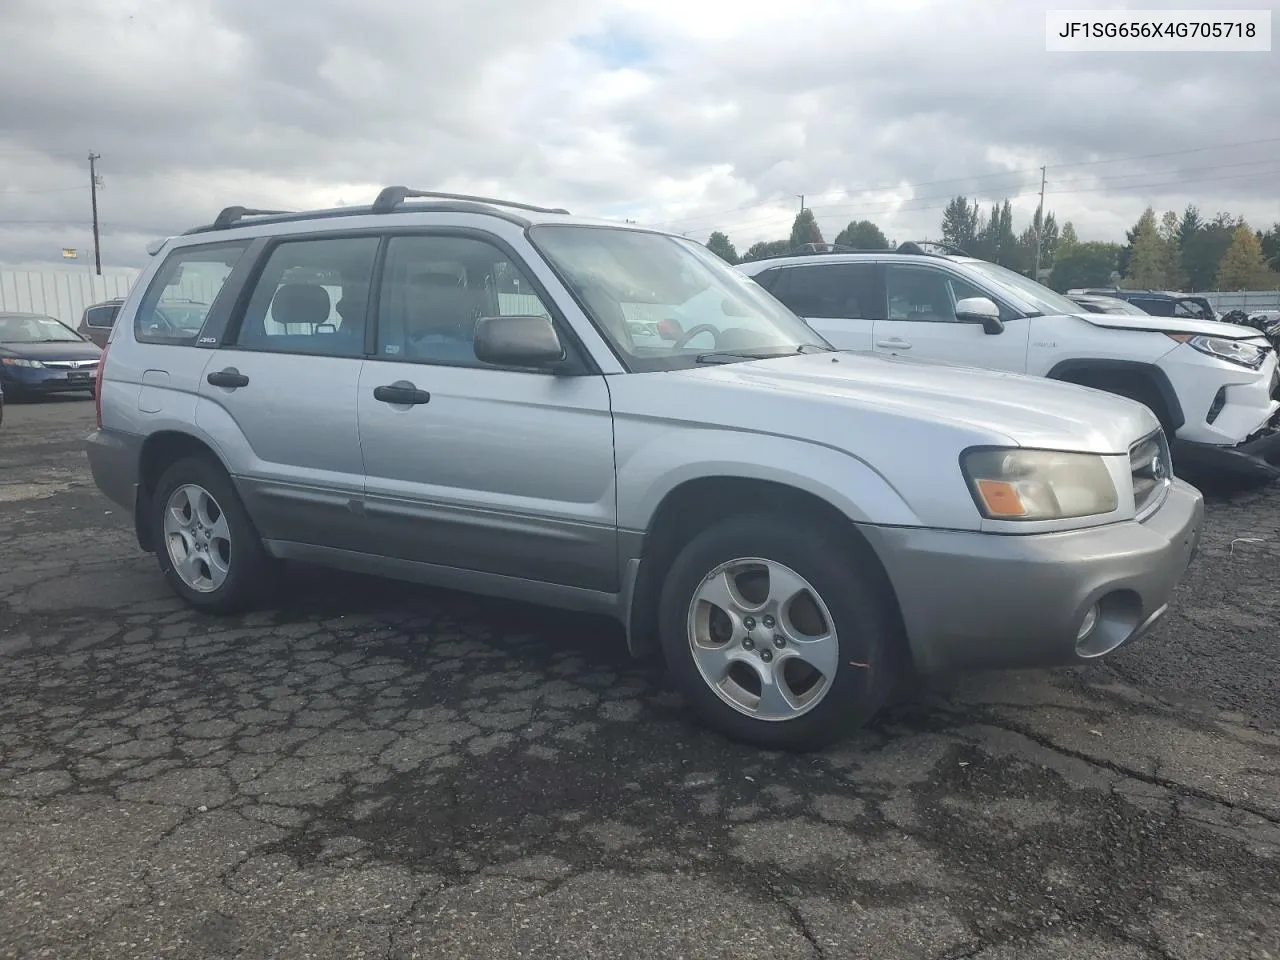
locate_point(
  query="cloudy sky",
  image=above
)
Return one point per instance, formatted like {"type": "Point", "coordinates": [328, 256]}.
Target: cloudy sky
{"type": "Point", "coordinates": [694, 115]}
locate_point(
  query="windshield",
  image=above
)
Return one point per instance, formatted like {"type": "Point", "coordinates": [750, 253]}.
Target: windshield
{"type": "Point", "coordinates": [665, 303]}
{"type": "Point", "coordinates": [186, 317]}
{"type": "Point", "coordinates": [1038, 295]}
{"type": "Point", "coordinates": [33, 329]}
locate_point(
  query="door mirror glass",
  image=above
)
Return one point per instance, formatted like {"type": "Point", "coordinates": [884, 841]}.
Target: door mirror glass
{"type": "Point", "coordinates": [518, 341]}
{"type": "Point", "coordinates": [980, 310]}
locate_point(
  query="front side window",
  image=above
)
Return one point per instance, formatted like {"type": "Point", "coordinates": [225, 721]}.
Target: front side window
{"type": "Point", "coordinates": [312, 297]}
{"type": "Point", "coordinates": [435, 289]}
{"type": "Point", "coordinates": [175, 306]}
{"type": "Point", "coordinates": [668, 303]}
{"type": "Point", "coordinates": [919, 293]}
{"type": "Point", "coordinates": [30, 328]}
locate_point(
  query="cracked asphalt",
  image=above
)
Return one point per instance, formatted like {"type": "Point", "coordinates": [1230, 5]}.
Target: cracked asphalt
{"type": "Point", "coordinates": [370, 769]}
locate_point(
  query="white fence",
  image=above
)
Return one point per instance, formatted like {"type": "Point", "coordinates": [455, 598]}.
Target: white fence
{"type": "Point", "coordinates": [62, 294]}
{"type": "Point", "coordinates": [1247, 300]}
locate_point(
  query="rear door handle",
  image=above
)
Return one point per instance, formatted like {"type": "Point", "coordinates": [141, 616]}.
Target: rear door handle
{"type": "Point", "coordinates": [230, 377]}
{"type": "Point", "coordinates": [401, 392]}
{"type": "Point", "coordinates": [895, 344]}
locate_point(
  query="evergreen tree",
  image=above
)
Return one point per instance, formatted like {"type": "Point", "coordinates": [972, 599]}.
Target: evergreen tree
{"type": "Point", "coordinates": [719, 244]}
{"type": "Point", "coordinates": [805, 229]}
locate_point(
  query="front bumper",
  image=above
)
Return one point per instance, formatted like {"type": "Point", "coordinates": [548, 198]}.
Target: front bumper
{"type": "Point", "coordinates": [1258, 457]}
{"type": "Point", "coordinates": [981, 600]}
{"type": "Point", "coordinates": [36, 381]}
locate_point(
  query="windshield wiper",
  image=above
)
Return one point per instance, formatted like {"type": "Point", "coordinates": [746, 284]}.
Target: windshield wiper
{"type": "Point", "coordinates": [772, 353]}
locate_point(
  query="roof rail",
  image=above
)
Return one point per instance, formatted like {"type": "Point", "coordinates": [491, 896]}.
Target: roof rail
{"type": "Point", "coordinates": [231, 215]}
{"type": "Point", "coordinates": [391, 197]}
{"type": "Point", "coordinates": [930, 248]}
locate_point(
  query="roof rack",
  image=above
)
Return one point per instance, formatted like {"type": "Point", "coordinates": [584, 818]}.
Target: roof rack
{"type": "Point", "coordinates": [930, 248]}
{"type": "Point", "coordinates": [232, 215]}
{"type": "Point", "coordinates": [391, 197]}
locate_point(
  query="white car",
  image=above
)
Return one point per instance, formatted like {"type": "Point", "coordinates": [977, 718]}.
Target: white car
{"type": "Point", "coordinates": [1214, 386]}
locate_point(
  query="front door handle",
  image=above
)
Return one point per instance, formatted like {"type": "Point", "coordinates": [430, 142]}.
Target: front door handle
{"type": "Point", "coordinates": [230, 377]}
{"type": "Point", "coordinates": [401, 392]}
{"type": "Point", "coordinates": [895, 344]}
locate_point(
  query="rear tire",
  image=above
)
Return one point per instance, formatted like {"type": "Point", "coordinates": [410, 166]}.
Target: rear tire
{"type": "Point", "coordinates": [796, 647]}
{"type": "Point", "coordinates": [208, 549]}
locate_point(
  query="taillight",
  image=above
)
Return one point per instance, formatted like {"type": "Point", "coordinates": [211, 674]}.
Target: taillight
{"type": "Point", "coordinates": [97, 384]}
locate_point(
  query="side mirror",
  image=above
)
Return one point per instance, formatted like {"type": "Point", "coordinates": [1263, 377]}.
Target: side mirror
{"type": "Point", "coordinates": [980, 310]}
{"type": "Point", "coordinates": [518, 341]}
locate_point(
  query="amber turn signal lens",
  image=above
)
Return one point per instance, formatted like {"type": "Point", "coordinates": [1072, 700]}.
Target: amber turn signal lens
{"type": "Point", "coordinates": [1001, 498]}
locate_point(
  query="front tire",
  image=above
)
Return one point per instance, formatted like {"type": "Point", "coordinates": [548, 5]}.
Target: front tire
{"type": "Point", "coordinates": [774, 633]}
{"type": "Point", "coordinates": [206, 545]}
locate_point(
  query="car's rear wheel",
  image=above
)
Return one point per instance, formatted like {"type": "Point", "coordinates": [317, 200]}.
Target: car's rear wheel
{"type": "Point", "coordinates": [208, 549]}
{"type": "Point", "coordinates": [773, 631]}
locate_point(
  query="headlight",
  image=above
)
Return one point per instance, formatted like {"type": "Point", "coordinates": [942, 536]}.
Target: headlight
{"type": "Point", "coordinates": [1233, 351]}
{"type": "Point", "coordinates": [1023, 484]}
{"type": "Point", "coordinates": [19, 362]}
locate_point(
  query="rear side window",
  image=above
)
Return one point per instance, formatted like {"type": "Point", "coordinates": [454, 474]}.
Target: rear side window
{"type": "Point", "coordinates": [1157, 308]}
{"type": "Point", "coordinates": [848, 291]}
{"type": "Point", "coordinates": [312, 297]}
{"type": "Point", "coordinates": [175, 306]}
{"type": "Point", "coordinates": [103, 317]}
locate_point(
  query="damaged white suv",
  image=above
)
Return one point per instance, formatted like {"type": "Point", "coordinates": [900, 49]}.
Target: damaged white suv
{"type": "Point", "coordinates": [518, 402]}
{"type": "Point", "coordinates": [1214, 386]}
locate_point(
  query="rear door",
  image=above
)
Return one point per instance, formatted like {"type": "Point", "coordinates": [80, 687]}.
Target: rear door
{"type": "Point", "coordinates": [841, 301]}
{"type": "Point", "coordinates": [921, 321]}
{"type": "Point", "coordinates": [278, 395]}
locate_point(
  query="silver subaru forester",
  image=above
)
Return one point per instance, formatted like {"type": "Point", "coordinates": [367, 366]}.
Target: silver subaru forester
{"type": "Point", "coordinates": [514, 401]}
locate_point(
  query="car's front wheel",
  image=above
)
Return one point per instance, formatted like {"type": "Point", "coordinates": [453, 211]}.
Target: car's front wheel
{"type": "Point", "coordinates": [208, 549]}
{"type": "Point", "coordinates": [775, 633]}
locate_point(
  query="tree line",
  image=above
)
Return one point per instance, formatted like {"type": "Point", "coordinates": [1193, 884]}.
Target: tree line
{"type": "Point", "coordinates": [1184, 251]}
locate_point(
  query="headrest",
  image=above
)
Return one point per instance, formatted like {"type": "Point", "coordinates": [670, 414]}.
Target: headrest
{"type": "Point", "coordinates": [301, 303]}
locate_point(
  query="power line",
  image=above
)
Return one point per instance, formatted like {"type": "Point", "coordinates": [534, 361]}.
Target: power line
{"type": "Point", "coordinates": [985, 176]}
{"type": "Point", "coordinates": [940, 202]}
{"type": "Point", "coordinates": [1153, 173]}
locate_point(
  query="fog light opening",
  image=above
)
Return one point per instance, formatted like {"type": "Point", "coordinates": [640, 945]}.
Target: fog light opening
{"type": "Point", "coordinates": [1088, 623]}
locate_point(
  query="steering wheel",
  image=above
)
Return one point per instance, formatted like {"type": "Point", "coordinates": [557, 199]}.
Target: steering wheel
{"type": "Point", "coordinates": [700, 328]}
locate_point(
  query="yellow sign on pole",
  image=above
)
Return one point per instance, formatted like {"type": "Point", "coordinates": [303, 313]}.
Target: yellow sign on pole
{"type": "Point", "coordinates": [68, 253]}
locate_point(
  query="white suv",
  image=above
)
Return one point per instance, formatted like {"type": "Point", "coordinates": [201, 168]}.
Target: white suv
{"type": "Point", "coordinates": [518, 402]}
{"type": "Point", "coordinates": [1214, 386]}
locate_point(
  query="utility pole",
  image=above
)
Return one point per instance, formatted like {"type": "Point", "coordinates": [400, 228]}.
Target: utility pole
{"type": "Point", "coordinates": [93, 195]}
{"type": "Point", "coordinates": [1039, 228]}
{"type": "Point", "coordinates": [801, 196]}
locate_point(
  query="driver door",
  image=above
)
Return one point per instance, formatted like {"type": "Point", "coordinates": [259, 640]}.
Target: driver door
{"type": "Point", "coordinates": [502, 471]}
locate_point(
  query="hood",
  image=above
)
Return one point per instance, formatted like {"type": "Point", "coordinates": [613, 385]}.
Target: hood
{"type": "Point", "coordinates": [66, 350]}
{"type": "Point", "coordinates": [986, 405]}
{"type": "Point", "coordinates": [1207, 328]}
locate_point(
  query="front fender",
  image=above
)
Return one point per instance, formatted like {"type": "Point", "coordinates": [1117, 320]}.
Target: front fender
{"type": "Point", "coordinates": [653, 459]}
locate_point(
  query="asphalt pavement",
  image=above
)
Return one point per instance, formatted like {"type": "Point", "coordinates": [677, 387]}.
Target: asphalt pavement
{"type": "Point", "coordinates": [370, 769]}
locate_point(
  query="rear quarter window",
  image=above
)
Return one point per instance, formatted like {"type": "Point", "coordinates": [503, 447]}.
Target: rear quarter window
{"type": "Point", "coordinates": [180, 296]}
